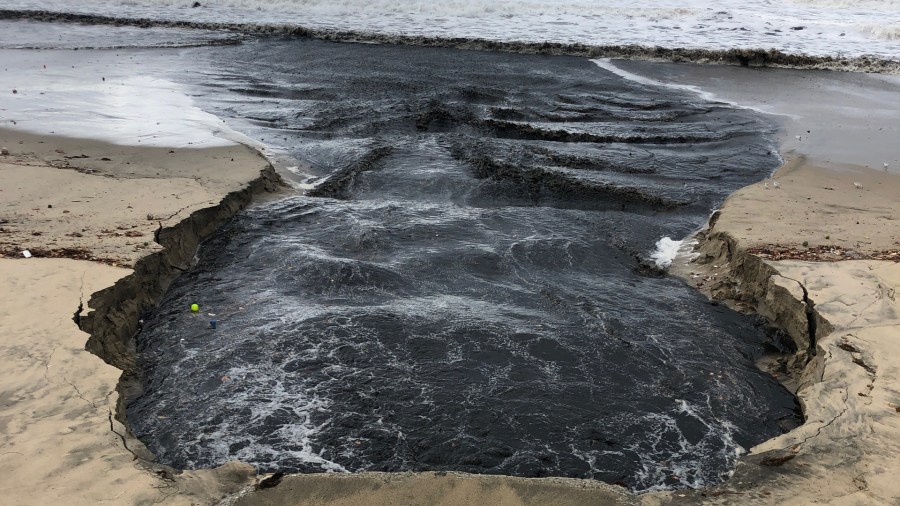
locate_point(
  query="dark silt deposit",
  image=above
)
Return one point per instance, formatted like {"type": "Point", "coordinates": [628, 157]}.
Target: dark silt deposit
{"type": "Point", "coordinates": [465, 285]}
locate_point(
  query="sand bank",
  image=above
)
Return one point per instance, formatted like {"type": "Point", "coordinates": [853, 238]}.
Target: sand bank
{"type": "Point", "coordinates": [818, 255]}
{"type": "Point", "coordinates": [73, 201]}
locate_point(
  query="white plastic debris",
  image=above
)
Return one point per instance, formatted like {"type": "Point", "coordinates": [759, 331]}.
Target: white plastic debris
{"type": "Point", "coordinates": [26, 253]}
{"type": "Point", "coordinates": [4, 152]}
{"type": "Point", "coordinates": [857, 185]}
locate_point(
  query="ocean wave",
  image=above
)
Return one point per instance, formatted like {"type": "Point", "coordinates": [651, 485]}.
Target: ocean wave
{"type": "Point", "coordinates": [872, 5]}
{"type": "Point", "coordinates": [452, 8]}
{"type": "Point", "coordinates": [744, 56]}
{"type": "Point", "coordinates": [884, 32]}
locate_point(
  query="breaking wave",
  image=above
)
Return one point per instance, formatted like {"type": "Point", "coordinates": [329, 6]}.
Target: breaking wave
{"type": "Point", "coordinates": [758, 32]}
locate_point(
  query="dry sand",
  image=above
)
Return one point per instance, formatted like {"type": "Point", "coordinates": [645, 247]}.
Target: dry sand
{"type": "Point", "coordinates": [91, 200]}
{"type": "Point", "coordinates": [61, 443]}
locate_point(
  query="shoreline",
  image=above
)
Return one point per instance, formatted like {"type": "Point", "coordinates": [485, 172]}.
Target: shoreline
{"type": "Point", "coordinates": [743, 57]}
{"type": "Point", "coordinates": [853, 357]}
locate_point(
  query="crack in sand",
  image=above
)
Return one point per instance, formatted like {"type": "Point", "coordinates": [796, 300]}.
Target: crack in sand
{"type": "Point", "coordinates": [878, 294]}
{"type": "Point", "coordinates": [77, 316]}
{"type": "Point", "coordinates": [112, 429]}
{"type": "Point", "coordinates": [47, 366]}
{"type": "Point", "coordinates": [857, 357]}
{"type": "Point", "coordinates": [79, 394]}
{"type": "Point", "coordinates": [823, 427]}
{"type": "Point", "coordinates": [811, 325]}
{"type": "Point", "coordinates": [160, 218]}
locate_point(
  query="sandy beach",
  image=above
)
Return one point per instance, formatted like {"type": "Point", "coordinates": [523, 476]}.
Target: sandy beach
{"type": "Point", "coordinates": [826, 243]}
{"type": "Point", "coordinates": [109, 226]}
{"type": "Point", "coordinates": [88, 212]}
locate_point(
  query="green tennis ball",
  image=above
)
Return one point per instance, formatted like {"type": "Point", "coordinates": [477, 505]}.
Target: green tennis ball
{"type": "Point", "coordinates": [195, 308]}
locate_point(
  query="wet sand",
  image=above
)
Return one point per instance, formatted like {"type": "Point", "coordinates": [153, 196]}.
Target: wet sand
{"type": "Point", "coordinates": [61, 441]}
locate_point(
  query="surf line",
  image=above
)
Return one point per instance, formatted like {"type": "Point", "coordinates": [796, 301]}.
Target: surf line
{"type": "Point", "coordinates": [608, 65]}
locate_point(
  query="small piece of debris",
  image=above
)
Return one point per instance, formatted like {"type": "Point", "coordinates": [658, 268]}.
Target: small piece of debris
{"type": "Point", "coordinates": [857, 185]}
{"type": "Point", "coordinates": [4, 152]}
{"type": "Point", "coordinates": [271, 481]}
{"type": "Point", "coordinates": [26, 253]}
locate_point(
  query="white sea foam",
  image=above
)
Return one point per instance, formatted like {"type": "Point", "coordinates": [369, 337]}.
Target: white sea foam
{"type": "Point", "coordinates": [666, 251]}
{"type": "Point", "coordinates": [885, 32]}
{"type": "Point", "coordinates": [815, 27]}
{"type": "Point", "coordinates": [878, 5]}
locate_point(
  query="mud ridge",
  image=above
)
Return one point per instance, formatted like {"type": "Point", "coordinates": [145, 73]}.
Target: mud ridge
{"type": "Point", "coordinates": [339, 184]}
{"type": "Point", "coordinates": [587, 163]}
{"type": "Point", "coordinates": [539, 185]}
{"type": "Point", "coordinates": [746, 57]}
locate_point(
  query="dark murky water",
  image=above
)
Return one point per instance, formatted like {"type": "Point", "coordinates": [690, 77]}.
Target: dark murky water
{"type": "Point", "coordinates": [463, 289]}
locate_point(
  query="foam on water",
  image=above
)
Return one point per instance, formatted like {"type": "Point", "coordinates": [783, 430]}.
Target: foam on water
{"type": "Point", "coordinates": [830, 27]}
{"type": "Point", "coordinates": [666, 251]}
